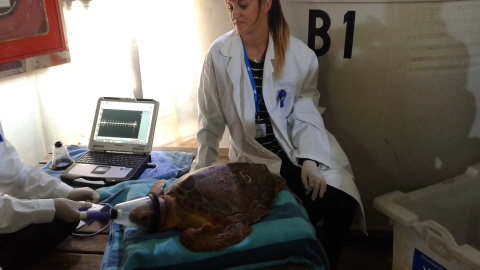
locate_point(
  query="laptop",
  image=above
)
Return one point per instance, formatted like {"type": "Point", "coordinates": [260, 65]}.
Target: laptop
{"type": "Point", "coordinates": [120, 143]}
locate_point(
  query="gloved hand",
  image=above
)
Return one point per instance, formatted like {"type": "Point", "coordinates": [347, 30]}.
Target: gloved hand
{"type": "Point", "coordinates": [68, 210]}
{"type": "Point", "coordinates": [313, 179]}
{"type": "Point", "coordinates": [84, 194]}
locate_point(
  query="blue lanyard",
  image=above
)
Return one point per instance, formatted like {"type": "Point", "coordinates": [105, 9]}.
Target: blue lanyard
{"type": "Point", "coordinates": [252, 81]}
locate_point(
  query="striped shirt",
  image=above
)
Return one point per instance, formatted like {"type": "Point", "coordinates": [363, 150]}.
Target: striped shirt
{"type": "Point", "coordinates": [263, 117]}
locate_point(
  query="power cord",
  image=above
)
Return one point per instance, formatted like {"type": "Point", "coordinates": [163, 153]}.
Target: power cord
{"type": "Point", "coordinates": [95, 233]}
{"type": "Point", "coordinates": [92, 234]}
{"type": "Point", "coordinates": [154, 167]}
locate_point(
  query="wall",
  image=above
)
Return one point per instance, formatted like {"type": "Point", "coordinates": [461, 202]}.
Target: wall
{"type": "Point", "coordinates": [118, 50]}
{"type": "Point", "coordinates": [19, 116]}
{"type": "Point", "coordinates": [403, 106]}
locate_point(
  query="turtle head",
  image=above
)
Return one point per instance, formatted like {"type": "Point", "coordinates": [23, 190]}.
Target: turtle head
{"type": "Point", "coordinates": [149, 213]}
{"type": "Point", "coordinates": [167, 219]}
{"type": "Point", "coordinates": [163, 213]}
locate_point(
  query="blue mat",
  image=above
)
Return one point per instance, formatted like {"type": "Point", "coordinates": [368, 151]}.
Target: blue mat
{"type": "Point", "coordinates": [169, 164]}
{"type": "Point", "coordinates": [284, 236]}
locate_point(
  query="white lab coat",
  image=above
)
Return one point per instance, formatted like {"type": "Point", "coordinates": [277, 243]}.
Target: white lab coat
{"type": "Point", "coordinates": [22, 191]}
{"type": "Point", "coordinates": [225, 98]}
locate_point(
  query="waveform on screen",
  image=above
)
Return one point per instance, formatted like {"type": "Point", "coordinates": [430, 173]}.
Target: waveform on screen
{"type": "Point", "coordinates": [116, 123]}
{"type": "Point", "coordinates": [119, 124]}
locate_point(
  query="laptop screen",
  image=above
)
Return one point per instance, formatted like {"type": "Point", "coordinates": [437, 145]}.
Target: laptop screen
{"type": "Point", "coordinates": [121, 122]}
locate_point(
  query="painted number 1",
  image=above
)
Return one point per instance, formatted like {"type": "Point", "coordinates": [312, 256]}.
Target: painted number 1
{"type": "Point", "coordinates": [322, 32]}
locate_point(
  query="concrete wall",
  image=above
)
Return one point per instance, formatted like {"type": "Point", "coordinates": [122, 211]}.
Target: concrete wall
{"type": "Point", "coordinates": [404, 105]}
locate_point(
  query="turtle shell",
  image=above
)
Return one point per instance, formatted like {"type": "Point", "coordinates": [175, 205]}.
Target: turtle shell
{"type": "Point", "coordinates": [227, 193]}
{"type": "Point", "coordinates": [214, 207]}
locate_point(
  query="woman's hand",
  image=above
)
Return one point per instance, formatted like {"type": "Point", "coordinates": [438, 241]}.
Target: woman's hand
{"type": "Point", "coordinates": [313, 179]}
{"type": "Point", "coordinates": [68, 210]}
{"type": "Point", "coordinates": [84, 194]}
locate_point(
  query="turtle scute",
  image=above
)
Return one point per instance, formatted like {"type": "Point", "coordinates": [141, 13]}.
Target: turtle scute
{"type": "Point", "coordinates": [215, 206]}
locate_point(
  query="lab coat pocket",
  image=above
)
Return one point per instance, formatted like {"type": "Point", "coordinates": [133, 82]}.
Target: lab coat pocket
{"type": "Point", "coordinates": [285, 100]}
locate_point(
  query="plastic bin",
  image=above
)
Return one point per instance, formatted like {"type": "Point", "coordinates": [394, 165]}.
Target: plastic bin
{"type": "Point", "coordinates": [436, 227]}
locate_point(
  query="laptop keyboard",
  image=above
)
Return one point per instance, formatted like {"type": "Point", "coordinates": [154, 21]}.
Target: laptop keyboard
{"type": "Point", "coordinates": [112, 159]}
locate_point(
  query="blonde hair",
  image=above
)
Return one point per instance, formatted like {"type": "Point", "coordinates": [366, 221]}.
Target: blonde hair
{"type": "Point", "coordinates": [280, 32]}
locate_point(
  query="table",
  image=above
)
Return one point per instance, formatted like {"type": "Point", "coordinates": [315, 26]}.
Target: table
{"type": "Point", "coordinates": [87, 252]}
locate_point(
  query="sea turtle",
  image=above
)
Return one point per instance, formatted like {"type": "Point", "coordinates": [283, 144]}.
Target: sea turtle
{"type": "Point", "coordinates": [214, 206]}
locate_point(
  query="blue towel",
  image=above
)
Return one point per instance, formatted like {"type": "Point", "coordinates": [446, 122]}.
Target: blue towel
{"type": "Point", "coordinates": [285, 235]}
{"type": "Point", "coordinates": [169, 164]}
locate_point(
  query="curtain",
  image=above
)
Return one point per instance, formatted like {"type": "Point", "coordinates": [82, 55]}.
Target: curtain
{"type": "Point", "coordinates": [143, 49]}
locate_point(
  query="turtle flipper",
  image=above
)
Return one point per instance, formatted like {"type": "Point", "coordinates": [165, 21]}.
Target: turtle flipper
{"type": "Point", "coordinates": [208, 238]}
{"type": "Point", "coordinates": [158, 187]}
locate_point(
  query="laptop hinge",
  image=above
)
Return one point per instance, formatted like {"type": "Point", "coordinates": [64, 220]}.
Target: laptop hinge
{"type": "Point", "coordinates": [98, 148]}
{"type": "Point", "coordinates": [138, 151]}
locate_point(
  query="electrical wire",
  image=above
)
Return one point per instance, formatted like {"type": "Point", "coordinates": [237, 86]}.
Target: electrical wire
{"type": "Point", "coordinates": [110, 221]}
{"type": "Point", "coordinates": [95, 233]}
{"type": "Point", "coordinates": [151, 172]}
{"type": "Point", "coordinates": [92, 234]}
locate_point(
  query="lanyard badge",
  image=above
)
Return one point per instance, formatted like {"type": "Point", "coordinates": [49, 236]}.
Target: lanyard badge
{"type": "Point", "coordinates": [281, 94]}
{"type": "Point", "coordinates": [252, 80]}
{"type": "Point", "coordinates": [260, 128]}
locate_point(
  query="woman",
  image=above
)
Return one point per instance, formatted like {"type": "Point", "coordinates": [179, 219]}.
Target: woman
{"type": "Point", "coordinates": [37, 211]}
{"type": "Point", "coordinates": [261, 83]}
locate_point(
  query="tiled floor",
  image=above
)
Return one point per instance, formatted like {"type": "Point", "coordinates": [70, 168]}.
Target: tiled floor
{"type": "Point", "coordinates": [373, 252]}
